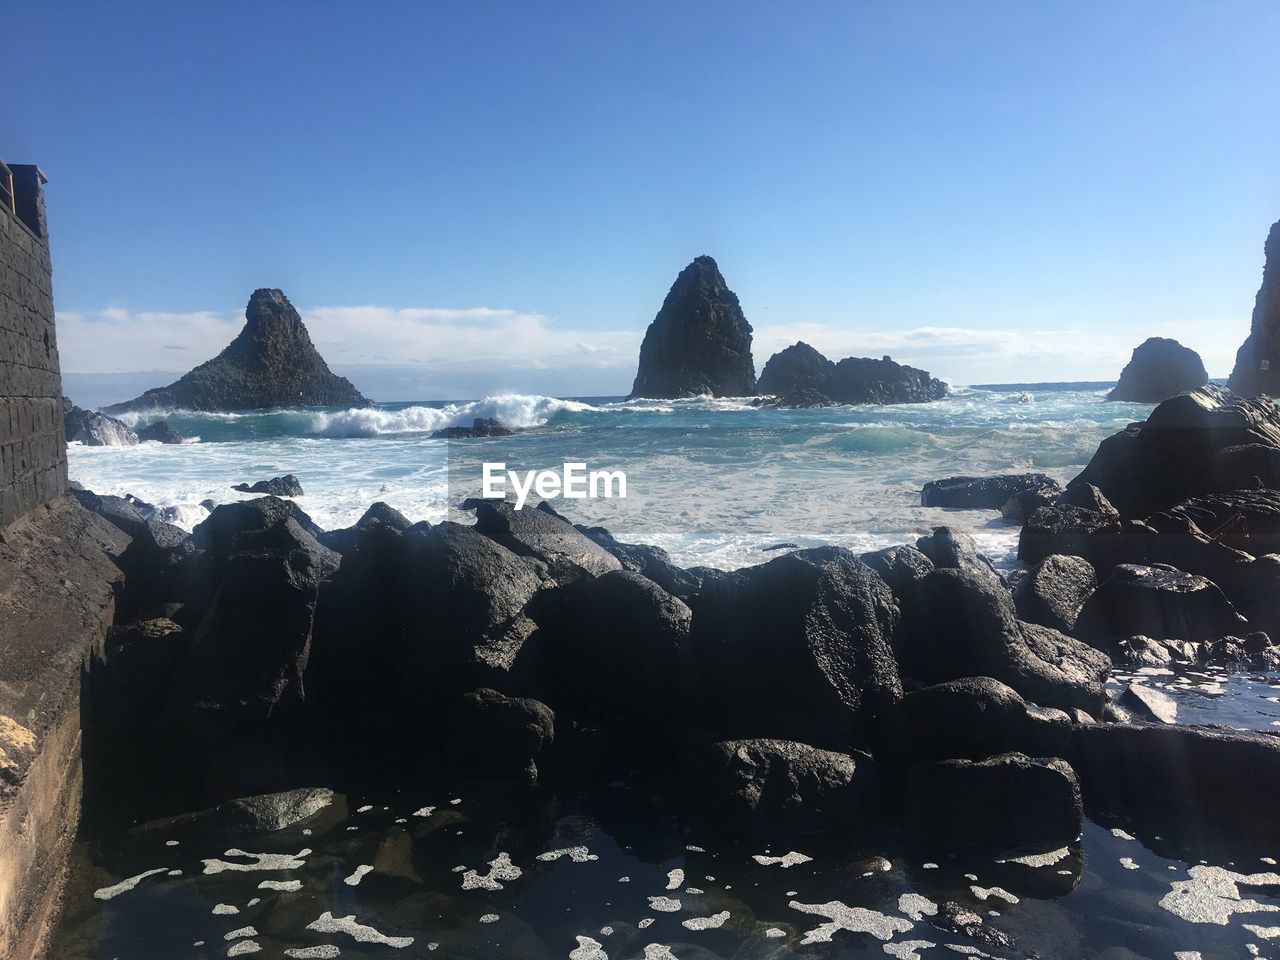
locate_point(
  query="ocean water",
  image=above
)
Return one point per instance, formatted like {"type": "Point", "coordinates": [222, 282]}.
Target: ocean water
{"type": "Point", "coordinates": [714, 481]}
{"type": "Point", "coordinates": [446, 869]}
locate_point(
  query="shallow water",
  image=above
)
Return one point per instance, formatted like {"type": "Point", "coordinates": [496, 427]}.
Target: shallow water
{"type": "Point", "coordinates": [713, 481]}
{"type": "Point", "coordinates": [625, 876]}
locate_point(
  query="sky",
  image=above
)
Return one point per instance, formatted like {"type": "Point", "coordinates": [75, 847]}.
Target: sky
{"type": "Point", "coordinates": [468, 198]}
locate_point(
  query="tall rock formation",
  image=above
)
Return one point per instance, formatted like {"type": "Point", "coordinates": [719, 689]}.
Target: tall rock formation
{"type": "Point", "coordinates": [271, 363]}
{"type": "Point", "coordinates": [1159, 369]}
{"type": "Point", "coordinates": [800, 376]}
{"type": "Point", "coordinates": [1257, 368]}
{"type": "Point", "coordinates": [699, 343]}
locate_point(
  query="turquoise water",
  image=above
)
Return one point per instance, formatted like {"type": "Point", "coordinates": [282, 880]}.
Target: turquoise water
{"type": "Point", "coordinates": [713, 481]}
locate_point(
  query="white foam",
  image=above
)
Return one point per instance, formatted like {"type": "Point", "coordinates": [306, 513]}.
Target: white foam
{"type": "Point", "coordinates": [359, 874]}
{"type": "Point", "coordinates": [664, 904]}
{"type": "Point", "coordinates": [712, 922]}
{"type": "Point", "coordinates": [324, 951]}
{"type": "Point", "coordinates": [124, 886]}
{"type": "Point", "coordinates": [1212, 895]}
{"type": "Point", "coordinates": [588, 949]}
{"type": "Point", "coordinates": [261, 861]}
{"type": "Point", "coordinates": [576, 854]}
{"type": "Point", "coordinates": [675, 878]}
{"type": "Point", "coordinates": [854, 919]}
{"type": "Point", "coordinates": [328, 923]}
{"type": "Point", "coordinates": [916, 907]}
{"type": "Point", "coordinates": [500, 868]}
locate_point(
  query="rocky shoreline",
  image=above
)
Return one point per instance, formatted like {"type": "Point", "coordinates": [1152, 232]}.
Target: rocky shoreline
{"type": "Point", "coordinates": [911, 689]}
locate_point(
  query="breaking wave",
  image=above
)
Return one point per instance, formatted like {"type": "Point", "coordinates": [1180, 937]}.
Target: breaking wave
{"type": "Point", "coordinates": [514, 410]}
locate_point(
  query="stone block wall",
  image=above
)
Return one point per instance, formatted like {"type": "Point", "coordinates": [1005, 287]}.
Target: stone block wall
{"type": "Point", "coordinates": [33, 451]}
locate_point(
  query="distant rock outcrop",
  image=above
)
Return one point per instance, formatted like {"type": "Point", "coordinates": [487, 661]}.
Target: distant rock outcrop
{"type": "Point", "coordinates": [1257, 369]}
{"type": "Point", "coordinates": [286, 486]}
{"type": "Point", "coordinates": [699, 343]}
{"type": "Point", "coordinates": [480, 427]}
{"type": "Point", "coordinates": [94, 429]}
{"type": "Point", "coordinates": [160, 432]}
{"type": "Point", "coordinates": [271, 363]}
{"type": "Point", "coordinates": [800, 376]}
{"type": "Point", "coordinates": [1159, 369]}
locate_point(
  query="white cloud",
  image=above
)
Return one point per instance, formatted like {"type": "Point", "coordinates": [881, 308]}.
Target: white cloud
{"type": "Point", "coordinates": [434, 352]}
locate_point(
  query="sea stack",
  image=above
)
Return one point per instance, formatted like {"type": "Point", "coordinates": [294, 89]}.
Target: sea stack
{"type": "Point", "coordinates": [800, 376]}
{"type": "Point", "coordinates": [1257, 369]}
{"type": "Point", "coordinates": [271, 363]}
{"type": "Point", "coordinates": [699, 343]}
{"type": "Point", "coordinates": [1159, 369]}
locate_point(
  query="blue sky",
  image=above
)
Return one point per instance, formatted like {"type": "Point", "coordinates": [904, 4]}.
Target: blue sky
{"type": "Point", "coordinates": [465, 198]}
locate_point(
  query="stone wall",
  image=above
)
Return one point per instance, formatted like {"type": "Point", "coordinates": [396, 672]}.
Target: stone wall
{"type": "Point", "coordinates": [33, 452]}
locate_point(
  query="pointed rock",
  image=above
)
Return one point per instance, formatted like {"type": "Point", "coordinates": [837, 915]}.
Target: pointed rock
{"type": "Point", "coordinates": [699, 343]}
{"type": "Point", "coordinates": [1257, 369]}
{"type": "Point", "coordinates": [271, 363]}
{"type": "Point", "coordinates": [1159, 369]}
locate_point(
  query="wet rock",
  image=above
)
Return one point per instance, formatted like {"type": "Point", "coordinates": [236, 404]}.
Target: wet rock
{"type": "Point", "coordinates": [1053, 593]}
{"type": "Point", "coordinates": [1089, 497]}
{"type": "Point", "coordinates": [274, 811]}
{"type": "Point", "coordinates": [1155, 465]}
{"type": "Point", "coordinates": [378, 516]}
{"type": "Point", "coordinates": [1159, 369]}
{"type": "Point", "coordinates": [965, 624]}
{"type": "Point", "coordinates": [620, 644]}
{"type": "Point", "coordinates": [480, 427]}
{"type": "Point", "coordinates": [1247, 520]}
{"type": "Point", "coordinates": [1067, 529]}
{"type": "Point", "coordinates": [501, 737]}
{"type": "Point", "coordinates": [1135, 653]}
{"type": "Point", "coordinates": [1021, 506]}
{"type": "Point", "coordinates": [286, 486]}
{"type": "Point", "coordinates": [650, 561]}
{"type": "Point", "coordinates": [1250, 465]}
{"type": "Point", "coordinates": [561, 551]}
{"type": "Point", "coordinates": [1145, 703]}
{"type": "Point", "coordinates": [1005, 805]}
{"type": "Point", "coordinates": [1257, 367]}
{"type": "Point", "coordinates": [800, 376]}
{"type": "Point", "coordinates": [700, 341]}
{"type": "Point", "coordinates": [94, 429]}
{"type": "Point", "coordinates": [160, 432]}
{"type": "Point", "coordinates": [243, 675]}
{"type": "Point", "coordinates": [985, 493]}
{"type": "Point", "coordinates": [118, 511]}
{"type": "Point", "coordinates": [978, 717]}
{"type": "Point", "coordinates": [270, 363]}
{"type": "Point", "coordinates": [1253, 651]}
{"type": "Point", "coordinates": [799, 648]}
{"type": "Point", "coordinates": [901, 568]}
{"type": "Point", "coordinates": [953, 918]}
{"type": "Point", "coordinates": [1188, 782]}
{"type": "Point", "coordinates": [950, 549]}
{"type": "Point", "coordinates": [777, 783]}
{"type": "Point", "coordinates": [1160, 602]}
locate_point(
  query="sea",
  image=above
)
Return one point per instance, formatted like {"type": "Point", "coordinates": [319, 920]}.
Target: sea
{"type": "Point", "coordinates": [451, 870]}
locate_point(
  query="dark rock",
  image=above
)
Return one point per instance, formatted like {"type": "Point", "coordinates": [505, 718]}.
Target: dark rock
{"type": "Point", "coordinates": [1159, 369]}
{"type": "Point", "coordinates": [1053, 593]}
{"type": "Point", "coordinates": [1183, 781]}
{"type": "Point", "coordinates": [964, 922]}
{"type": "Point", "coordinates": [244, 674]}
{"type": "Point", "coordinates": [1089, 497]}
{"type": "Point", "coordinates": [273, 811]}
{"type": "Point", "coordinates": [798, 372]}
{"type": "Point", "coordinates": [1155, 465]}
{"type": "Point", "coordinates": [1134, 653]}
{"type": "Point", "coordinates": [286, 486]}
{"type": "Point", "coordinates": [1249, 465]}
{"type": "Point", "coordinates": [985, 493]}
{"type": "Point", "coordinates": [650, 561]}
{"type": "Point", "coordinates": [501, 737]}
{"type": "Point", "coordinates": [1247, 520]}
{"type": "Point", "coordinates": [1253, 651]}
{"type": "Point", "coordinates": [699, 343]}
{"type": "Point", "coordinates": [1005, 805]}
{"type": "Point", "coordinates": [1159, 602]}
{"type": "Point", "coordinates": [977, 717]}
{"type": "Point", "coordinates": [863, 380]}
{"type": "Point", "coordinates": [217, 531]}
{"type": "Point", "coordinates": [480, 427]}
{"type": "Point", "coordinates": [900, 567]}
{"type": "Point", "coordinates": [94, 429]}
{"type": "Point", "coordinates": [562, 552]}
{"type": "Point", "coordinates": [1067, 529]}
{"type": "Point", "coordinates": [1257, 369]}
{"type": "Point", "coordinates": [1145, 703]}
{"type": "Point", "coordinates": [160, 432]}
{"type": "Point", "coordinates": [799, 648]}
{"type": "Point", "coordinates": [619, 644]}
{"type": "Point", "coordinates": [379, 515]}
{"type": "Point", "coordinates": [1021, 506]}
{"type": "Point", "coordinates": [775, 547]}
{"type": "Point", "coordinates": [950, 549]}
{"type": "Point", "coordinates": [117, 511]}
{"type": "Point", "coordinates": [964, 624]}
{"type": "Point", "coordinates": [781, 783]}
{"type": "Point", "coordinates": [270, 363]}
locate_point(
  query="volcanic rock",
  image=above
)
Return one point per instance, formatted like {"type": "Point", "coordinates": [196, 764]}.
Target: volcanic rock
{"type": "Point", "coordinates": [1146, 703]}
{"type": "Point", "coordinates": [160, 432]}
{"type": "Point", "coordinates": [1005, 805]}
{"type": "Point", "coordinates": [286, 486]}
{"type": "Point", "coordinates": [1053, 593]}
{"type": "Point", "coordinates": [797, 370]}
{"type": "Point", "coordinates": [699, 343]}
{"type": "Point", "coordinates": [501, 737]}
{"type": "Point", "coordinates": [271, 363]}
{"type": "Point", "coordinates": [94, 429]}
{"type": "Point", "coordinates": [799, 648]}
{"type": "Point", "coordinates": [977, 717]}
{"type": "Point", "coordinates": [985, 493]}
{"type": "Point", "coordinates": [1160, 602]}
{"type": "Point", "coordinates": [480, 427]}
{"type": "Point", "coordinates": [1159, 369]}
{"type": "Point", "coordinates": [800, 376]}
{"type": "Point", "coordinates": [1257, 369]}
{"type": "Point", "coordinates": [650, 561]}
{"type": "Point", "coordinates": [560, 551]}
